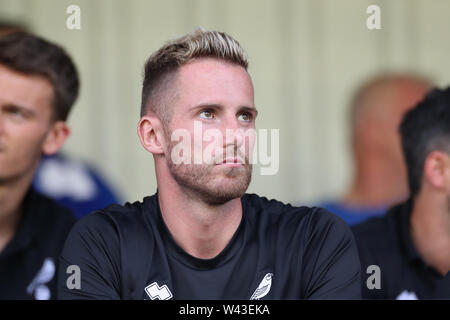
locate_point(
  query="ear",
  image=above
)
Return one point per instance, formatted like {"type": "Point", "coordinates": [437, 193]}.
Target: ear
{"type": "Point", "coordinates": [55, 138]}
{"type": "Point", "coordinates": [437, 170]}
{"type": "Point", "coordinates": [151, 134]}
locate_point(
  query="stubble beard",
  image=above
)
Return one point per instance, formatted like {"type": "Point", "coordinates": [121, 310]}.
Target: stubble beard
{"type": "Point", "coordinates": [205, 182]}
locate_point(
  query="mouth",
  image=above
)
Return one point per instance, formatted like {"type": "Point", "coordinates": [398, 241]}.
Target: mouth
{"type": "Point", "coordinates": [231, 162]}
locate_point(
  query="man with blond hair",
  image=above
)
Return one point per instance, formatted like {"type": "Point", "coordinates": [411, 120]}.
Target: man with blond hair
{"type": "Point", "coordinates": [200, 236]}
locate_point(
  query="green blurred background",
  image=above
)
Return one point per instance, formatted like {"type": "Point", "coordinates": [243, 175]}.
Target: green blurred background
{"type": "Point", "coordinates": [306, 59]}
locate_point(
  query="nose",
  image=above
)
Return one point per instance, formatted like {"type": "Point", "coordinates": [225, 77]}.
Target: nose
{"type": "Point", "coordinates": [234, 135]}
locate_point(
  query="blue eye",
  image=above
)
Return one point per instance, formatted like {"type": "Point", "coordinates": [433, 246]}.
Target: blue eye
{"type": "Point", "coordinates": [207, 114]}
{"type": "Point", "coordinates": [15, 112]}
{"type": "Point", "coordinates": [246, 117]}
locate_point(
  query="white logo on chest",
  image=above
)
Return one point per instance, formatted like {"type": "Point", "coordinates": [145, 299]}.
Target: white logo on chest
{"type": "Point", "coordinates": [155, 292]}
{"type": "Point", "coordinates": [263, 288]}
{"type": "Point", "coordinates": [37, 286]}
{"type": "Point", "coordinates": [407, 295]}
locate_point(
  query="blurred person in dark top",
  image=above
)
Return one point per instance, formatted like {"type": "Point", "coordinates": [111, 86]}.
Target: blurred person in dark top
{"type": "Point", "coordinates": [38, 86]}
{"type": "Point", "coordinates": [411, 244]}
{"type": "Point", "coordinates": [72, 182]}
{"type": "Point", "coordinates": [380, 173]}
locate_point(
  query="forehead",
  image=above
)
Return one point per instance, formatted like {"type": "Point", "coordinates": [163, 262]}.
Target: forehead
{"type": "Point", "coordinates": [29, 91]}
{"type": "Point", "coordinates": [216, 81]}
{"type": "Point", "coordinates": [390, 99]}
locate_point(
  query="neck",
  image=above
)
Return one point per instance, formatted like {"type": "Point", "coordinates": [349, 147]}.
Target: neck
{"type": "Point", "coordinates": [377, 185]}
{"type": "Point", "coordinates": [12, 194]}
{"type": "Point", "coordinates": [430, 229]}
{"type": "Point", "coordinates": [202, 230]}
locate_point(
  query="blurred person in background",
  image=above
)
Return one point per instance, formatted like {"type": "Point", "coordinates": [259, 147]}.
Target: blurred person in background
{"type": "Point", "coordinates": [70, 181]}
{"type": "Point", "coordinates": [379, 174]}
{"type": "Point", "coordinates": [411, 244]}
{"type": "Point", "coordinates": [38, 86]}
{"type": "Point", "coordinates": [7, 27]}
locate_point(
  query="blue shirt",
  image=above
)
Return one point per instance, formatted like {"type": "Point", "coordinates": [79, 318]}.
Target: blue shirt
{"type": "Point", "coordinates": [353, 215]}
{"type": "Point", "coordinates": [74, 184]}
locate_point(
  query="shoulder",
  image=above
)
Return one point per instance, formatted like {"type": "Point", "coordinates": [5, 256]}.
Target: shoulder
{"type": "Point", "coordinates": [309, 219]}
{"type": "Point", "coordinates": [118, 216]}
{"type": "Point", "coordinates": [376, 234]}
{"type": "Point", "coordinates": [274, 207]}
{"type": "Point", "coordinates": [116, 221]}
{"type": "Point", "coordinates": [50, 215]}
{"type": "Point", "coordinates": [378, 241]}
{"type": "Point", "coordinates": [379, 244]}
{"type": "Point", "coordinates": [370, 228]}
{"type": "Point", "coordinates": [48, 206]}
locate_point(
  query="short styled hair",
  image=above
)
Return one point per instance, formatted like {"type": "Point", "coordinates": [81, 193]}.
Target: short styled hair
{"type": "Point", "coordinates": [31, 55]}
{"type": "Point", "coordinates": [424, 129]}
{"type": "Point", "coordinates": [161, 67]}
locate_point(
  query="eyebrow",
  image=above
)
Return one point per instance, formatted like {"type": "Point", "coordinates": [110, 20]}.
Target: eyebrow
{"type": "Point", "coordinates": [218, 106]}
{"type": "Point", "coordinates": [22, 108]}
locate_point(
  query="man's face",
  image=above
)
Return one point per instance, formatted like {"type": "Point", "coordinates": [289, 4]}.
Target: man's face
{"type": "Point", "coordinates": [25, 112]}
{"type": "Point", "coordinates": [215, 105]}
